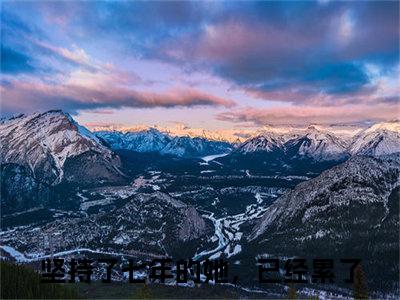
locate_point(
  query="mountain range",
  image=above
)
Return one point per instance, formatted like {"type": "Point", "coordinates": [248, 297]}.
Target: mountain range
{"type": "Point", "coordinates": [313, 142]}
{"type": "Point", "coordinates": [379, 139]}
{"type": "Point", "coordinates": [147, 194]}
{"type": "Point", "coordinates": [152, 140]}
{"type": "Point", "coordinates": [45, 149]}
{"type": "Point", "coordinates": [46, 141]}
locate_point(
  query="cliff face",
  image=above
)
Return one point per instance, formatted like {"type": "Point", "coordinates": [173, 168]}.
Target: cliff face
{"type": "Point", "coordinates": [192, 226]}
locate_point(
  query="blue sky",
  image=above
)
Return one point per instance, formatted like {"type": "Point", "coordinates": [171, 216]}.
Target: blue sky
{"type": "Point", "coordinates": [205, 64]}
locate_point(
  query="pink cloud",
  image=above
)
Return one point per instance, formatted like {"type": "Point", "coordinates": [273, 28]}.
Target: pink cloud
{"type": "Point", "coordinates": [300, 115]}
{"type": "Point", "coordinates": [100, 111]}
{"type": "Point", "coordinates": [96, 126]}
{"type": "Point", "coordinates": [22, 96]}
{"type": "Point", "coordinates": [303, 95]}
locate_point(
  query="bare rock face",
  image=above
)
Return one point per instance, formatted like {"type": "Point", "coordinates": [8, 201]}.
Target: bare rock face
{"type": "Point", "coordinates": [192, 226]}
{"type": "Point", "coordinates": [93, 167]}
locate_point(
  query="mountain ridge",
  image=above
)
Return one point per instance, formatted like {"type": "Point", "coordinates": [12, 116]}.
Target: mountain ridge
{"type": "Point", "coordinates": [44, 142]}
{"type": "Point", "coordinates": [379, 139]}
{"type": "Point", "coordinates": [313, 142]}
{"type": "Point", "coordinates": [153, 140]}
{"type": "Point", "coordinates": [348, 211]}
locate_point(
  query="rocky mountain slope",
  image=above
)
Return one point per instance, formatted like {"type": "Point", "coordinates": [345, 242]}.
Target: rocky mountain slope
{"type": "Point", "coordinates": [43, 150]}
{"type": "Point", "coordinates": [348, 211]}
{"type": "Point", "coordinates": [150, 140]}
{"type": "Point", "coordinates": [47, 143]}
{"type": "Point", "coordinates": [268, 142]}
{"type": "Point", "coordinates": [312, 143]}
{"type": "Point", "coordinates": [379, 139]}
{"type": "Point", "coordinates": [318, 145]}
{"type": "Point", "coordinates": [148, 224]}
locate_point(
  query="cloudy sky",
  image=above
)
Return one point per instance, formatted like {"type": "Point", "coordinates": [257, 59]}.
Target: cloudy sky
{"type": "Point", "coordinates": [205, 64]}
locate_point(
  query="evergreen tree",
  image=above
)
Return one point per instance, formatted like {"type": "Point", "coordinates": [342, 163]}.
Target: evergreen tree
{"type": "Point", "coordinates": [360, 287]}
{"type": "Point", "coordinates": [292, 293]}
{"type": "Point", "coordinates": [144, 292]}
{"type": "Point", "coordinates": [22, 282]}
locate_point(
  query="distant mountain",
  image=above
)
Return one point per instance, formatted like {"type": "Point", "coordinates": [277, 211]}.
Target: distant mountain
{"type": "Point", "coordinates": [268, 142]}
{"type": "Point", "coordinates": [349, 211]}
{"type": "Point", "coordinates": [152, 140]}
{"type": "Point", "coordinates": [304, 152]}
{"type": "Point", "coordinates": [318, 145]}
{"type": "Point", "coordinates": [149, 140]}
{"type": "Point", "coordinates": [195, 147]}
{"type": "Point", "coordinates": [312, 143]}
{"type": "Point", "coordinates": [239, 135]}
{"type": "Point", "coordinates": [379, 139]}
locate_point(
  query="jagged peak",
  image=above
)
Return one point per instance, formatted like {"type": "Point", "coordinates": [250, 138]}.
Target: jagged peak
{"type": "Point", "coordinates": [265, 136]}
{"type": "Point", "coordinates": [392, 125]}
{"type": "Point", "coordinates": [54, 112]}
{"type": "Point", "coordinates": [148, 130]}
{"type": "Point", "coordinates": [263, 142]}
{"type": "Point", "coordinates": [48, 138]}
{"type": "Point", "coordinates": [312, 128]}
{"type": "Point", "coordinates": [57, 111]}
{"type": "Point", "coordinates": [38, 115]}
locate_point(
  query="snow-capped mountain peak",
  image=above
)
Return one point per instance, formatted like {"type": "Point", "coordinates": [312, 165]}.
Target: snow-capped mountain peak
{"type": "Point", "coordinates": [267, 142]}
{"type": "Point", "coordinates": [317, 144]}
{"type": "Point", "coordinates": [44, 141]}
{"type": "Point", "coordinates": [147, 140]}
{"type": "Point", "coordinates": [320, 143]}
{"type": "Point", "coordinates": [379, 139]}
{"type": "Point", "coordinates": [153, 140]}
{"type": "Point", "coordinates": [312, 142]}
{"type": "Point", "coordinates": [393, 125]}
{"type": "Point", "coordinates": [81, 129]}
